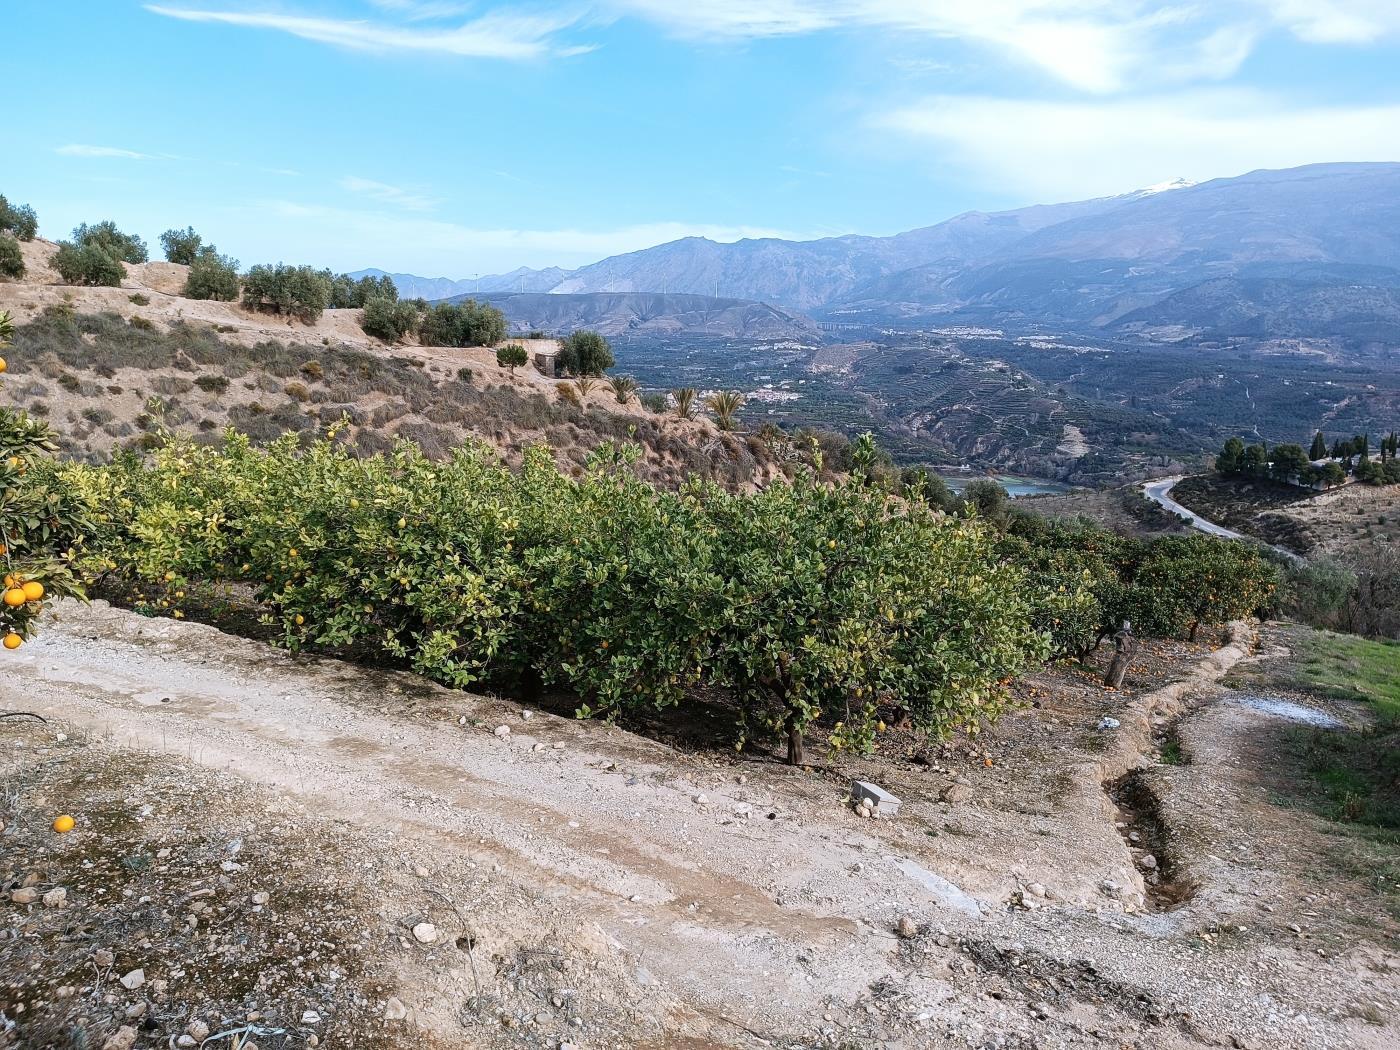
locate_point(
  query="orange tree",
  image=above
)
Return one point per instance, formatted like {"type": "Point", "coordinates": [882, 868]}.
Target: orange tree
{"type": "Point", "coordinates": [840, 599]}
{"type": "Point", "coordinates": [42, 520]}
{"type": "Point", "coordinates": [1181, 582]}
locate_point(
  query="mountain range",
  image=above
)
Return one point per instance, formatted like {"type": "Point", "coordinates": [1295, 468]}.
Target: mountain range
{"type": "Point", "coordinates": [1301, 253]}
{"type": "Point", "coordinates": [649, 314]}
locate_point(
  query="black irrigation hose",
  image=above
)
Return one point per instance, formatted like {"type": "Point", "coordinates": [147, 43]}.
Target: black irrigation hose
{"type": "Point", "coordinates": [24, 714]}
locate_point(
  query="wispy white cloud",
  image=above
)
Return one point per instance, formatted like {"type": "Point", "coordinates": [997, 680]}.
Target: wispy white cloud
{"type": "Point", "coordinates": [1336, 21]}
{"type": "Point", "coordinates": [423, 10]}
{"type": "Point", "coordinates": [81, 150]}
{"type": "Point", "coordinates": [1098, 46]}
{"type": "Point", "coordinates": [493, 35]}
{"type": "Point", "coordinates": [1062, 150]}
{"type": "Point", "coordinates": [395, 195]}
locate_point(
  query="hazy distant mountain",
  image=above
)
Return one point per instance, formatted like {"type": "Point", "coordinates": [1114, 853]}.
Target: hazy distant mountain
{"type": "Point", "coordinates": [1086, 263]}
{"type": "Point", "coordinates": [434, 288]}
{"type": "Point", "coordinates": [1318, 229]}
{"type": "Point", "coordinates": [651, 313]}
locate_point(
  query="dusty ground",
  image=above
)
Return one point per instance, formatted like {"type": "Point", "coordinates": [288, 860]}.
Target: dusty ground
{"type": "Point", "coordinates": [593, 887]}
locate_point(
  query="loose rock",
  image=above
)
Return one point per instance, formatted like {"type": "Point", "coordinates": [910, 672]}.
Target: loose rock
{"type": "Point", "coordinates": [394, 1009]}
{"type": "Point", "coordinates": [134, 979]}
{"type": "Point", "coordinates": [425, 933]}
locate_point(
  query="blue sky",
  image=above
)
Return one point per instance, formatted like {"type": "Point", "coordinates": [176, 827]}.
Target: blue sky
{"type": "Point", "coordinates": [453, 138]}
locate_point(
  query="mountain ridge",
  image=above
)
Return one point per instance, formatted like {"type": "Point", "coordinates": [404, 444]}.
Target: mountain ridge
{"type": "Point", "coordinates": [1076, 264]}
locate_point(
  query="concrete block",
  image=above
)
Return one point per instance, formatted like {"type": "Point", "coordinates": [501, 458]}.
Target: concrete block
{"type": "Point", "coordinates": [881, 801]}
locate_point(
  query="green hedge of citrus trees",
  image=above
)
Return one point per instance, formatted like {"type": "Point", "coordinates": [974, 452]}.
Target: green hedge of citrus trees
{"type": "Point", "coordinates": [806, 600]}
{"type": "Point", "coordinates": [1086, 580]}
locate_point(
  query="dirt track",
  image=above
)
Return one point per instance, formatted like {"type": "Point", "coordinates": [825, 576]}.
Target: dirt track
{"type": "Point", "coordinates": [734, 907]}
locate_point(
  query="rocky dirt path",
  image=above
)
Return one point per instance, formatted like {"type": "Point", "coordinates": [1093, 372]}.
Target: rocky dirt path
{"type": "Point", "coordinates": [729, 908]}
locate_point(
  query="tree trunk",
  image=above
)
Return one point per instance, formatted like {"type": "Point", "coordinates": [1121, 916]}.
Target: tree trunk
{"type": "Point", "coordinates": [1195, 627]}
{"type": "Point", "coordinates": [795, 756]}
{"type": "Point", "coordinates": [1117, 669]}
{"type": "Point", "coordinates": [1124, 645]}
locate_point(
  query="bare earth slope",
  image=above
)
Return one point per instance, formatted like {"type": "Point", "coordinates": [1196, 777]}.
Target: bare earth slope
{"type": "Point", "coordinates": [593, 887]}
{"type": "Point", "coordinates": [91, 360]}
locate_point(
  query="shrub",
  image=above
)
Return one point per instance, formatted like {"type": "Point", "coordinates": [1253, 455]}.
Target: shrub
{"type": "Point", "coordinates": [138, 299]}
{"type": "Point", "coordinates": [585, 353]}
{"type": "Point", "coordinates": [623, 387]}
{"type": "Point", "coordinates": [19, 220]}
{"type": "Point", "coordinates": [105, 236]}
{"type": "Point", "coordinates": [11, 258]}
{"type": "Point", "coordinates": [987, 500]}
{"type": "Point", "coordinates": [388, 319]}
{"type": "Point", "coordinates": [211, 384]}
{"type": "Point", "coordinates": [657, 404]}
{"type": "Point", "coordinates": [296, 290]}
{"type": "Point", "coordinates": [684, 399]}
{"type": "Point", "coordinates": [87, 264]}
{"type": "Point", "coordinates": [512, 356]}
{"type": "Point", "coordinates": [725, 404]}
{"type": "Point", "coordinates": [182, 246]}
{"type": "Point", "coordinates": [467, 323]}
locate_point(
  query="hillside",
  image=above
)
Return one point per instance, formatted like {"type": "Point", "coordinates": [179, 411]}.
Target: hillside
{"type": "Point", "coordinates": [649, 314]}
{"type": "Point", "coordinates": [91, 359]}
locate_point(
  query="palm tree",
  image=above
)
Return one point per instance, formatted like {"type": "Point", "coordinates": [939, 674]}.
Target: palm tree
{"type": "Point", "coordinates": [685, 402]}
{"type": "Point", "coordinates": [583, 384]}
{"type": "Point", "coordinates": [725, 404]}
{"type": "Point", "coordinates": [623, 387]}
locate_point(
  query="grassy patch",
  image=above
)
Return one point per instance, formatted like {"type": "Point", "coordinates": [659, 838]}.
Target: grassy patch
{"type": "Point", "coordinates": [1351, 668]}
{"type": "Point", "coordinates": [1357, 774]}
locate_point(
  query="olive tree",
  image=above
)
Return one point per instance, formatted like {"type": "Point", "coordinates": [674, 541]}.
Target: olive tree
{"type": "Point", "coordinates": [388, 319]}
{"type": "Point", "coordinates": [11, 258]}
{"type": "Point", "coordinates": [182, 246]}
{"type": "Point", "coordinates": [585, 353]}
{"type": "Point", "coordinates": [87, 264]}
{"type": "Point", "coordinates": [212, 276]}
{"type": "Point", "coordinates": [300, 291]}
{"type": "Point", "coordinates": [126, 247]}
{"type": "Point", "coordinates": [18, 219]}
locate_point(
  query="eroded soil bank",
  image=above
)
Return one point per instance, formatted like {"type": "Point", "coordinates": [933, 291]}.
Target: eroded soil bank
{"type": "Point", "coordinates": [330, 856]}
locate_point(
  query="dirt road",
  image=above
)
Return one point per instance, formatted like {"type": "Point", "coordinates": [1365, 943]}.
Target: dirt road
{"type": "Point", "coordinates": [730, 907]}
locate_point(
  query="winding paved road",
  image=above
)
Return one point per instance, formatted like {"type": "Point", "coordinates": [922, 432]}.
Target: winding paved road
{"type": "Point", "coordinates": [1159, 492]}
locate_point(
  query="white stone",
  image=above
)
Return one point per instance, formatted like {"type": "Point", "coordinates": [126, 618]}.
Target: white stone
{"type": "Point", "coordinates": [133, 980]}
{"type": "Point", "coordinates": [425, 933]}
